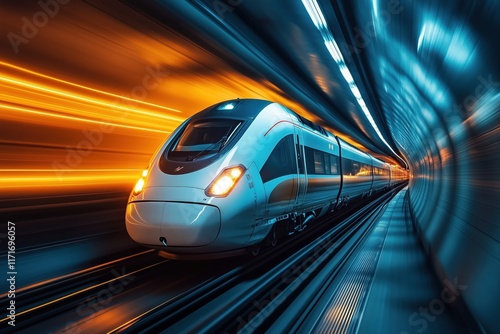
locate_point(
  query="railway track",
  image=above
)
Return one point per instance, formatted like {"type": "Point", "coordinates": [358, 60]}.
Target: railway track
{"type": "Point", "coordinates": [48, 298]}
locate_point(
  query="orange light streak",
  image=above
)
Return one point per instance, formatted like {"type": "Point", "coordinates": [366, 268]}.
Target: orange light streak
{"type": "Point", "coordinates": [77, 118]}
{"type": "Point", "coordinates": [85, 87]}
{"type": "Point", "coordinates": [87, 100]}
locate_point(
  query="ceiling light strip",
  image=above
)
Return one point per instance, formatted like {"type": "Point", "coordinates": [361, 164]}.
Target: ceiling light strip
{"type": "Point", "coordinates": [319, 21]}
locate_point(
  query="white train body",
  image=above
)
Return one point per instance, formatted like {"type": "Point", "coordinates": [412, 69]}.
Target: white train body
{"type": "Point", "coordinates": [239, 172]}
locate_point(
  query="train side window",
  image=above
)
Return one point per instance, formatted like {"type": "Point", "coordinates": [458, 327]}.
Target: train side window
{"type": "Point", "coordinates": [319, 164]}
{"type": "Point", "coordinates": [347, 167]}
{"type": "Point", "coordinates": [281, 161]}
{"type": "Point", "coordinates": [380, 171]}
{"type": "Point", "coordinates": [383, 171]}
{"type": "Point", "coordinates": [327, 163]}
{"type": "Point", "coordinates": [364, 169]}
{"type": "Point", "coordinates": [334, 161]}
{"type": "Point", "coordinates": [300, 158]}
{"type": "Point", "coordinates": [355, 167]}
{"type": "Point", "coordinates": [309, 159]}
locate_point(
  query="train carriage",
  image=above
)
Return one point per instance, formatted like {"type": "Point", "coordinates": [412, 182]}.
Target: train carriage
{"type": "Point", "coordinates": [381, 175]}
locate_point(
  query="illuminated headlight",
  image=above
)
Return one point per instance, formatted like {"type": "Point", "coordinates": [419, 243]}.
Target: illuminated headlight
{"type": "Point", "coordinates": [222, 185]}
{"type": "Point", "coordinates": [139, 186]}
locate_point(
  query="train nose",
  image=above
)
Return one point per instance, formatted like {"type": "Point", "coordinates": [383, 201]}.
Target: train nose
{"type": "Point", "coordinates": [180, 224]}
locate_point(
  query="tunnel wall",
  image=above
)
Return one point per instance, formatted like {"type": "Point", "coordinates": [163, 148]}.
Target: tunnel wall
{"type": "Point", "coordinates": [454, 198]}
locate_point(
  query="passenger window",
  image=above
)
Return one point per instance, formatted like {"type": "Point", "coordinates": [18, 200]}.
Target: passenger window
{"type": "Point", "coordinates": [327, 163]}
{"type": "Point", "coordinates": [355, 168]}
{"type": "Point", "coordinates": [364, 170]}
{"type": "Point", "coordinates": [319, 162]}
{"type": "Point", "coordinates": [347, 168]}
{"type": "Point", "coordinates": [334, 165]}
{"type": "Point", "coordinates": [319, 167]}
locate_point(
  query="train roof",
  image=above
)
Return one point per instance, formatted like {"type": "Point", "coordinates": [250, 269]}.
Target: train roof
{"type": "Point", "coordinates": [237, 108]}
{"type": "Point", "coordinates": [249, 109]}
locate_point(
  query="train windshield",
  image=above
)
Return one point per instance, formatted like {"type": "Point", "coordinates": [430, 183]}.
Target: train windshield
{"type": "Point", "coordinates": [203, 138]}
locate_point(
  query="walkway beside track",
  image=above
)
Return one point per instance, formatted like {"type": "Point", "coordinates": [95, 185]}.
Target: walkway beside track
{"type": "Point", "coordinates": [405, 295]}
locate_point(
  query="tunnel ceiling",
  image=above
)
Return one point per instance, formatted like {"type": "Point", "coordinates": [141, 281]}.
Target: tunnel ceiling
{"type": "Point", "coordinates": [415, 64]}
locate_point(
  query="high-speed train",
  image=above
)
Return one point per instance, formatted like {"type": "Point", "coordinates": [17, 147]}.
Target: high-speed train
{"type": "Point", "coordinates": [242, 173]}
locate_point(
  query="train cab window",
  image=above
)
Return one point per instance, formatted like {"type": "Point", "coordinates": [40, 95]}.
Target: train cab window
{"type": "Point", "coordinates": [281, 161]}
{"type": "Point", "coordinates": [204, 138]}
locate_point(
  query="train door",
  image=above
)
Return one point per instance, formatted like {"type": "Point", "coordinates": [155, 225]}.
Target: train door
{"type": "Point", "coordinates": [301, 168]}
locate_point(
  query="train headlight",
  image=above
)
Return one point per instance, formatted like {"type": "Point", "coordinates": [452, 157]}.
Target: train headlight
{"type": "Point", "coordinates": [222, 185]}
{"type": "Point", "coordinates": [139, 186]}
